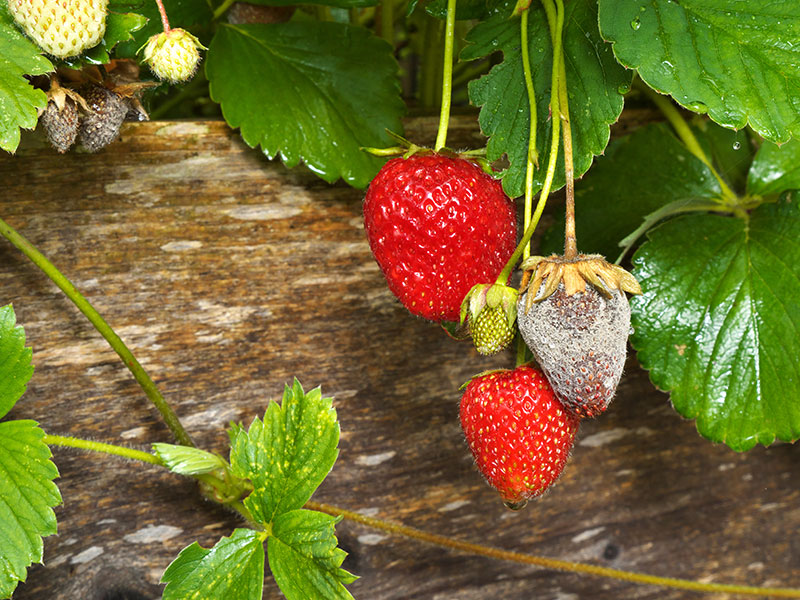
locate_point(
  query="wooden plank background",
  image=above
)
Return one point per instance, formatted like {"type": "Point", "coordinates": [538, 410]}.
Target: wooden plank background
{"type": "Point", "coordinates": [228, 275]}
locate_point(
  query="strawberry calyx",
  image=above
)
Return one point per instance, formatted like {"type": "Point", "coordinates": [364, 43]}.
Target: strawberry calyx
{"type": "Point", "coordinates": [407, 149]}
{"type": "Point", "coordinates": [542, 277]}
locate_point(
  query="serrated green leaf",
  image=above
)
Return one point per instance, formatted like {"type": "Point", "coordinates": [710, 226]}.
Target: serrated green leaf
{"type": "Point", "coordinates": [465, 9]}
{"type": "Point", "coordinates": [735, 60]}
{"type": "Point", "coordinates": [184, 460]}
{"type": "Point", "coordinates": [718, 325]}
{"type": "Point", "coordinates": [304, 557]}
{"type": "Point", "coordinates": [311, 91]}
{"type": "Point", "coordinates": [288, 454]}
{"type": "Point", "coordinates": [27, 498]}
{"type": "Point", "coordinates": [594, 82]}
{"type": "Point", "coordinates": [775, 169]}
{"type": "Point", "coordinates": [19, 101]}
{"type": "Point", "coordinates": [15, 360]}
{"type": "Point", "coordinates": [232, 570]}
{"type": "Point", "coordinates": [638, 175]}
{"type": "Point", "coordinates": [182, 13]}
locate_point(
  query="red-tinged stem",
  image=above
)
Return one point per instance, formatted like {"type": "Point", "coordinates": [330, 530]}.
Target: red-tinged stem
{"type": "Point", "coordinates": [164, 19]}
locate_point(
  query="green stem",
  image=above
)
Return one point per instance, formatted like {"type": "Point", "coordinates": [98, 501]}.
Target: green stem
{"type": "Point", "coordinates": [222, 8]}
{"type": "Point", "coordinates": [102, 327]}
{"type": "Point", "coordinates": [687, 136]}
{"type": "Point", "coordinates": [72, 442]}
{"type": "Point", "coordinates": [532, 156]}
{"type": "Point", "coordinates": [570, 238]}
{"type": "Point", "coordinates": [387, 21]}
{"type": "Point", "coordinates": [550, 563]}
{"type": "Point", "coordinates": [548, 179]}
{"type": "Point", "coordinates": [447, 75]}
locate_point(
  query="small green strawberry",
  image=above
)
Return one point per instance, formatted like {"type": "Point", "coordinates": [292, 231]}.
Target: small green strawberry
{"type": "Point", "coordinates": [173, 55]}
{"type": "Point", "coordinates": [518, 432]}
{"type": "Point", "coordinates": [491, 311]}
{"type": "Point", "coordinates": [62, 28]}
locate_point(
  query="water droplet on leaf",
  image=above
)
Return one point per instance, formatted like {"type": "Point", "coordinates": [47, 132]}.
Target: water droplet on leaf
{"type": "Point", "coordinates": [636, 23]}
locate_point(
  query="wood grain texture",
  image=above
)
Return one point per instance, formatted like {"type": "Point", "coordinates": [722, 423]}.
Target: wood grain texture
{"type": "Point", "coordinates": [228, 275]}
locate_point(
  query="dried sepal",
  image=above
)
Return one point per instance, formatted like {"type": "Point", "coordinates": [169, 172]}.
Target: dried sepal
{"type": "Point", "coordinates": [542, 277]}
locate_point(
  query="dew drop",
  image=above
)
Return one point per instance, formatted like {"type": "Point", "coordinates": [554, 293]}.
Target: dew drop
{"type": "Point", "coordinates": [737, 145]}
{"type": "Point", "coordinates": [624, 89]}
{"type": "Point", "coordinates": [636, 23]}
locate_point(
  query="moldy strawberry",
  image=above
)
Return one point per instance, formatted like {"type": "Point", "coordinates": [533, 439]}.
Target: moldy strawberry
{"type": "Point", "coordinates": [575, 317]}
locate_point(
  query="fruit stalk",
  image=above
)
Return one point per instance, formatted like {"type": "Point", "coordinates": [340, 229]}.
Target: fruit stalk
{"type": "Point", "coordinates": [163, 12]}
{"type": "Point", "coordinates": [532, 157]}
{"type": "Point", "coordinates": [447, 75]}
{"type": "Point", "coordinates": [66, 286]}
{"type": "Point", "coordinates": [551, 163]}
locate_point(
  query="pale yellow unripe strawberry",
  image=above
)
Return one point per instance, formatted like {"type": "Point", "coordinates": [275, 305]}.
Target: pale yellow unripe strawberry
{"type": "Point", "coordinates": [62, 28]}
{"type": "Point", "coordinates": [173, 55]}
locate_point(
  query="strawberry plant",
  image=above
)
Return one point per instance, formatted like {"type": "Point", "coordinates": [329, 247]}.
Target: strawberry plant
{"type": "Point", "coordinates": [697, 211]}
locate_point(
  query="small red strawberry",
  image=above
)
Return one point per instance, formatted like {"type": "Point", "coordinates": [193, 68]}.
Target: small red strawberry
{"type": "Point", "coordinates": [575, 317]}
{"type": "Point", "coordinates": [437, 226]}
{"type": "Point", "coordinates": [518, 432]}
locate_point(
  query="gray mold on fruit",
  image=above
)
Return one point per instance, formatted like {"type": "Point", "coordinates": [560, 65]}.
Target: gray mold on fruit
{"type": "Point", "coordinates": [580, 342]}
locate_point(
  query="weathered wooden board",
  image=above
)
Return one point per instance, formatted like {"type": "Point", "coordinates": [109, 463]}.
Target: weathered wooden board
{"type": "Point", "coordinates": [228, 275]}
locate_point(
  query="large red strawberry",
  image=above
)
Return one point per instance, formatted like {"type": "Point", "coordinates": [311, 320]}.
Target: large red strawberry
{"type": "Point", "coordinates": [438, 226]}
{"type": "Point", "coordinates": [518, 432]}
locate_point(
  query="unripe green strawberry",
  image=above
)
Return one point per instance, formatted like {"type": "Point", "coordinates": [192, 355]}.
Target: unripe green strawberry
{"type": "Point", "coordinates": [518, 432]}
{"type": "Point", "coordinates": [491, 311]}
{"type": "Point", "coordinates": [173, 55]}
{"type": "Point", "coordinates": [62, 28]}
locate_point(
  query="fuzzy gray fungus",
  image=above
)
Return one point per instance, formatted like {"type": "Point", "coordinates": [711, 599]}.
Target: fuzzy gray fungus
{"type": "Point", "coordinates": [580, 342]}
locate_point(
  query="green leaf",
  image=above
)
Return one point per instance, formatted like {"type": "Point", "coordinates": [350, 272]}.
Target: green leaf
{"type": "Point", "coordinates": [184, 460]}
{"type": "Point", "coordinates": [638, 175]}
{"type": "Point", "coordinates": [120, 27]}
{"type": "Point", "coordinates": [718, 325]}
{"type": "Point", "coordinates": [15, 360]}
{"type": "Point", "coordinates": [725, 57]}
{"type": "Point", "coordinates": [304, 558]}
{"type": "Point", "coordinates": [311, 91]}
{"type": "Point", "coordinates": [232, 570]}
{"type": "Point", "coordinates": [288, 454]}
{"type": "Point", "coordinates": [27, 498]}
{"type": "Point", "coordinates": [20, 102]}
{"type": "Point", "coordinates": [339, 3]}
{"type": "Point", "coordinates": [776, 169]}
{"type": "Point", "coordinates": [595, 83]}
{"type": "Point", "coordinates": [182, 13]}
{"type": "Point", "coordinates": [465, 9]}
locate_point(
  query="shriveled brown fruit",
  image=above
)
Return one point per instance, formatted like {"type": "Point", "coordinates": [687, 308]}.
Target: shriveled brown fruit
{"type": "Point", "coordinates": [100, 125]}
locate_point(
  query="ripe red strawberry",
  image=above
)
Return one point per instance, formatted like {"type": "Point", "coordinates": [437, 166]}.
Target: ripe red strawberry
{"type": "Point", "coordinates": [518, 432]}
{"type": "Point", "coordinates": [438, 226]}
{"type": "Point", "coordinates": [575, 317]}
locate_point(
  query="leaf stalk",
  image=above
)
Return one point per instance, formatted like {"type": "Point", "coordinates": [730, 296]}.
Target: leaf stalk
{"type": "Point", "coordinates": [66, 286]}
